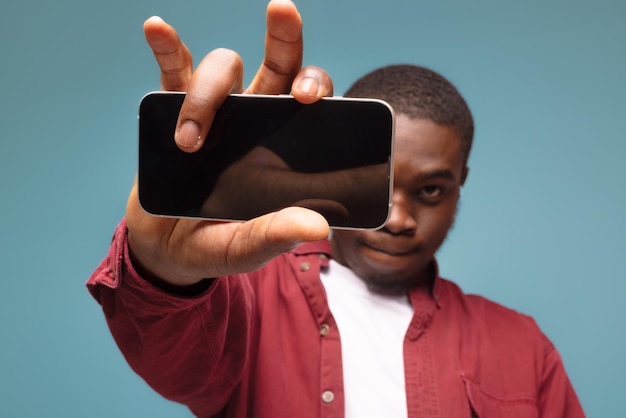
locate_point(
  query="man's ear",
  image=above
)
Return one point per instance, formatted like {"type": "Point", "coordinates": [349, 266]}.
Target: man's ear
{"type": "Point", "coordinates": [464, 175]}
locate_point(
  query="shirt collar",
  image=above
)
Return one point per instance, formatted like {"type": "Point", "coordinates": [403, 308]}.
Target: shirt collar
{"type": "Point", "coordinates": [323, 248]}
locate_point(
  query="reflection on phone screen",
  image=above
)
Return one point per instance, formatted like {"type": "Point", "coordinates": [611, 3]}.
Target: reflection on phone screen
{"type": "Point", "coordinates": [264, 153]}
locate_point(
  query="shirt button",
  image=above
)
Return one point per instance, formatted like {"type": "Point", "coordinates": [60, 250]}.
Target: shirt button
{"type": "Point", "coordinates": [328, 396]}
{"type": "Point", "coordinates": [324, 330]}
{"type": "Point", "coordinates": [322, 256]}
{"type": "Point", "coordinates": [305, 266]}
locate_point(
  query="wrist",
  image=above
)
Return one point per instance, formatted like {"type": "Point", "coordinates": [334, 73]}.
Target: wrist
{"type": "Point", "coordinates": [189, 288]}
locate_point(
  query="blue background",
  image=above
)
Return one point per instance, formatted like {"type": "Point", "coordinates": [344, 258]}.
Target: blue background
{"type": "Point", "coordinates": [542, 225]}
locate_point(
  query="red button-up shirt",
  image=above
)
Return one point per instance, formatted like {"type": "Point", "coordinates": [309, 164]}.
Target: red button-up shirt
{"type": "Point", "coordinates": [265, 344]}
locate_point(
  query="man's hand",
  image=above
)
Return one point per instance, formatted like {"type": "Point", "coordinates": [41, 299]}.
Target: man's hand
{"type": "Point", "coordinates": [182, 251]}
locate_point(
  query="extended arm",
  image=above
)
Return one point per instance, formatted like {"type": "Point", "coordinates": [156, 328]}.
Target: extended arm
{"type": "Point", "coordinates": [192, 349]}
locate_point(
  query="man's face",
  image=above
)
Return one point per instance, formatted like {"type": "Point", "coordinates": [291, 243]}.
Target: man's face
{"type": "Point", "coordinates": [429, 171]}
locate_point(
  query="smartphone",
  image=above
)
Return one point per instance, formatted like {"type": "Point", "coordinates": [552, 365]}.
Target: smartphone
{"type": "Point", "coordinates": [264, 153]}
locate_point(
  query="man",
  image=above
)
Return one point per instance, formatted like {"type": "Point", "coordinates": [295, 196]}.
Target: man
{"type": "Point", "coordinates": [269, 319]}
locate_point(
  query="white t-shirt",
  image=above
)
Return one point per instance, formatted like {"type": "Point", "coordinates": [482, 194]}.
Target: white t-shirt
{"type": "Point", "coordinates": [372, 329]}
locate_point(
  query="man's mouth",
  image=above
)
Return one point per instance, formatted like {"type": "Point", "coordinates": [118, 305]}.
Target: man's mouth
{"type": "Point", "coordinates": [394, 251]}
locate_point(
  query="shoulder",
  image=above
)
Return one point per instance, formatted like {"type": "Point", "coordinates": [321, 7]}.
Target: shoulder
{"type": "Point", "coordinates": [449, 293]}
{"type": "Point", "coordinates": [490, 320]}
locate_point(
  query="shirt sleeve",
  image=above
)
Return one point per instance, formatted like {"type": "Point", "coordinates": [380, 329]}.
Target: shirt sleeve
{"type": "Point", "coordinates": [191, 350]}
{"type": "Point", "coordinates": [557, 398]}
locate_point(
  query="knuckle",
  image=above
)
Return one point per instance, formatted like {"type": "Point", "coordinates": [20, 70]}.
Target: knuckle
{"type": "Point", "coordinates": [227, 56]}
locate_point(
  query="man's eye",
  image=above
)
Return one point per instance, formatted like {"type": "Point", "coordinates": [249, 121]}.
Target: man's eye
{"type": "Point", "coordinates": [431, 191]}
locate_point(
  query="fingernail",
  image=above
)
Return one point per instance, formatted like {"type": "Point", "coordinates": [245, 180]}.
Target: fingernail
{"type": "Point", "coordinates": [187, 136]}
{"type": "Point", "coordinates": [309, 85]}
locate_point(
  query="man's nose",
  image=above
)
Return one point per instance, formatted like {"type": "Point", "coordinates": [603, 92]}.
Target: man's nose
{"type": "Point", "coordinates": [403, 216]}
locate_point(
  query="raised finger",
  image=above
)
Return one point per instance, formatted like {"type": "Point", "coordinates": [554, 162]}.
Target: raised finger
{"type": "Point", "coordinates": [219, 74]}
{"type": "Point", "coordinates": [171, 54]}
{"type": "Point", "coordinates": [283, 50]}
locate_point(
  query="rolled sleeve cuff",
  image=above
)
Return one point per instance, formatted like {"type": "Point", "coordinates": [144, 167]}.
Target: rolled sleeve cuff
{"type": "Point", "coordinates": [117, 273]}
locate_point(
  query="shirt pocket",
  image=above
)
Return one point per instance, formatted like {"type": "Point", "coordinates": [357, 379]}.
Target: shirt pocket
{"type": "Point", "coordinates": [486, 403]}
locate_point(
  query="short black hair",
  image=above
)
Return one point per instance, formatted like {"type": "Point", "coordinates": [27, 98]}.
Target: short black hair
{"type": "Point", "coordinates": [419, 93]}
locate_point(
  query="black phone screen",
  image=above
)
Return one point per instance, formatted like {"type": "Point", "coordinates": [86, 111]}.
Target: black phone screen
{"type": "Point", "coordinates": [264, 153]}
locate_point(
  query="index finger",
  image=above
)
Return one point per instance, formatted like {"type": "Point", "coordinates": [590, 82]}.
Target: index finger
{"type": "Point", "coordinates": [283, 50]}
{"type": "Point", "coordinates": [172, 55]}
